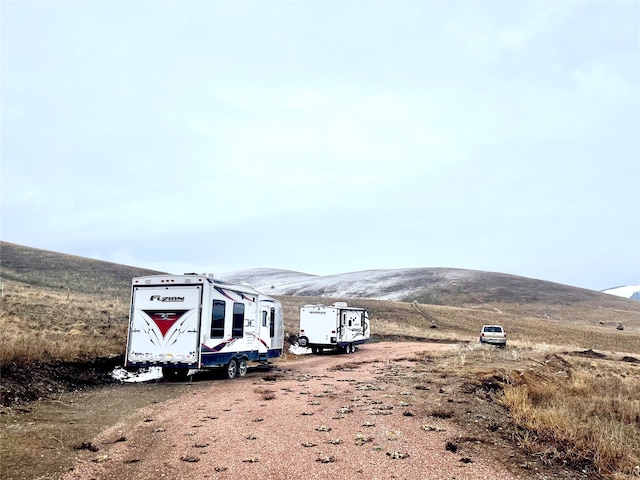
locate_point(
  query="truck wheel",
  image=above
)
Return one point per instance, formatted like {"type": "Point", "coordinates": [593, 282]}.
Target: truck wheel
{"type": "Point", "coordinates": [174, 374]}
{"type": "Point", "coordinates": [232, 369]}
{"type": "Point", "coordinates": [242, 368]}
{"type": "Point", "coordinates": [303, 341]}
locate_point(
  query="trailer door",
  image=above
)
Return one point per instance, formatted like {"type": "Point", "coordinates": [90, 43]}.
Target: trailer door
{"type": "Point", "coordinates": [264, 327]}
{"type": "Point", "coordinates": [164, 325]}
{"type": "Point", "coordinates": [352, 328]}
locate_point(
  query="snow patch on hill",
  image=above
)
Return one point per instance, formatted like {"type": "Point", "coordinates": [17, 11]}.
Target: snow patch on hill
{"type": "Point", "coordinates": [629, 291]}
{"type": "Point", "coordinates": [267, 280]}
{"type": "Point", "coordinates": [377, 284]}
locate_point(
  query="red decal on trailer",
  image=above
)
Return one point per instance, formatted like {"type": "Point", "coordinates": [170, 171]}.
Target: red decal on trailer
{"type": "Point", "coordinates": [222, 292]}
{"type": "Point", "coordinates": [164, 319]}
{"type": "Point", "coordinates": [218, 347]}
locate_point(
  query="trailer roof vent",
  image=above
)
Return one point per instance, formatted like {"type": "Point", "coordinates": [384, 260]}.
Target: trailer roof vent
{"type": "Point", "coordinates": [340, 304]}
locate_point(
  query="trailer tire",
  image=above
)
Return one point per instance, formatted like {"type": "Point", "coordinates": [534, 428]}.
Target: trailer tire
{"type": "Point", "coordinates": [242, 367]}
{"type": "Point", "coordinates": [314, 350]}
{"type": "Point", "coordinates": [231, 370]}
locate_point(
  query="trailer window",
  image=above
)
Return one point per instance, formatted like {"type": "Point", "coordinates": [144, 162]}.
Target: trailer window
{"type": "Point", "coordinates": [272, 322]}
{"type": "Point", "coordinates": [237, 329]}
{"type": "Point", "coordinates": [264, 318]}
{"type": "Point", "coordinates": [217, 319]}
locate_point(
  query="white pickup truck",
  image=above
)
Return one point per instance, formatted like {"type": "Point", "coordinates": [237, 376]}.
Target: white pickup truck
{"type": "Point", "coordinates": [493, 334]}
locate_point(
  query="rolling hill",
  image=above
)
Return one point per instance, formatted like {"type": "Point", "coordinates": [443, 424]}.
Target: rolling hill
{"type": "Point", "coordinates": [434, 286]}
{"type": "Point", "coordinates": [437, 286]}
{"type": "Point", "coordinates": [47, 269]}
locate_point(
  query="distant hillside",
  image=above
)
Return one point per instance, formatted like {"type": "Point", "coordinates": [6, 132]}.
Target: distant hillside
{"type": "Point", "coordinates": [436, 286]}
{"type": "Point", "coordinates": [439, 286]}
{"type": "Point", "coordinates": [44, 268]}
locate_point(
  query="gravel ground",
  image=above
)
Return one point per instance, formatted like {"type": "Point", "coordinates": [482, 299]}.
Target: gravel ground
{"type": "Point", "coordinates": [312, 417]}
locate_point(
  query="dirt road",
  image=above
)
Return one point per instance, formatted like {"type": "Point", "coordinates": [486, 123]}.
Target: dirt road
{"type": "Point", "coordinates": [313, 417]}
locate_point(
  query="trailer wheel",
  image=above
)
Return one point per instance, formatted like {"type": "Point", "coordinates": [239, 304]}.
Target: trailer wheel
{"type": "Point", "coordinates": [242, 368]}
{"type": "Point", "coordinates": [232, 369]}
{"type": "Point", "coordinates": [350, 348]}
{"type": "Point", "coordinates": [314, 350]}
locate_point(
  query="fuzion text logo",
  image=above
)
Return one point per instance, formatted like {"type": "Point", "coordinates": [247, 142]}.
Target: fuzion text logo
{"type": "Point", "coordinates": [159, 298]}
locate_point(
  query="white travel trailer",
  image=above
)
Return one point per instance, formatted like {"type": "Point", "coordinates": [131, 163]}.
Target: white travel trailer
{"type": "Point", "coordinates": [190, 321]}
{"type": "Point", "coordinates": [337, 326]}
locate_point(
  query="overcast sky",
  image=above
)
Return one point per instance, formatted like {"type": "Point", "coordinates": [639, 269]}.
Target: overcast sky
{"type": "Point", "coordinates": [326, 137]}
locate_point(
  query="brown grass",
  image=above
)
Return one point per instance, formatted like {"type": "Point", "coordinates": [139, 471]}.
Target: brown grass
{"type": "Point", "coordinates": [39, 324]}
{"type": "Point", "coordinates": [579, 412]}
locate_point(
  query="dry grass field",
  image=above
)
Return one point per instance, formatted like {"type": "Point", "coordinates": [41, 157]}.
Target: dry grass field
{"type": "Point", "coordinates": [38, 323]}
{"type": "Point", "coordinates": [568, 382]}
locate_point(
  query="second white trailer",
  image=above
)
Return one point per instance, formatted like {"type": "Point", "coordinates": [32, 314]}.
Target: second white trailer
{"type": "Point", "coordinates": [332, 327]}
